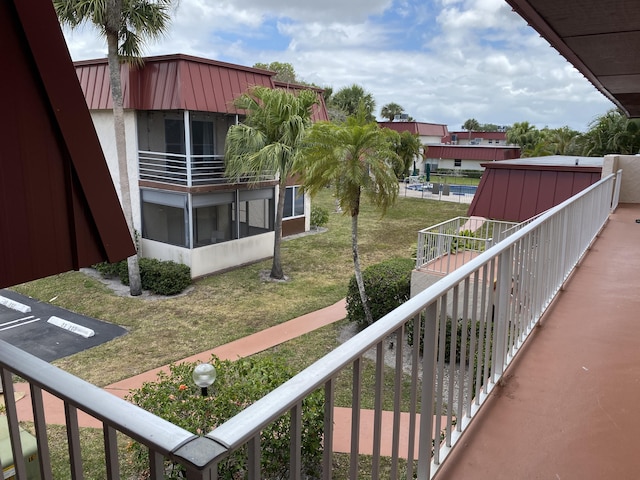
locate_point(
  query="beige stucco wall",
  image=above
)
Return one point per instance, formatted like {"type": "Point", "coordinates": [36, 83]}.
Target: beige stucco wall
{"type": "Point", "coordinates": [630, 165]}
{"type": "Point", "coordinates": [103, 122]}
{"type": "Point", "coordinates": [216, 257]}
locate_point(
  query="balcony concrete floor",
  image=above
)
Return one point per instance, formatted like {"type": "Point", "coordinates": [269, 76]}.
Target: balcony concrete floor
{"type": "Point", "coordinates": [567, 409]}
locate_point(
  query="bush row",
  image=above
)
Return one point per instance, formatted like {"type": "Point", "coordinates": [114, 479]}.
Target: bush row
{"type": "Point", "coordinates": [159, 277]}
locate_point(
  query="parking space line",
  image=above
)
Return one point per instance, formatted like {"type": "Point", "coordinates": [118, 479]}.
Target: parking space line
{"type": "Point", "coordinates": [18, 324]}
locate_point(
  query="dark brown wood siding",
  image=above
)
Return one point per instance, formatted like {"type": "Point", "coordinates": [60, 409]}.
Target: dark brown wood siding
{"type": "Point", "coordinates": [292, 226]}
{"type": "Point", "coordinates": [58, 207]}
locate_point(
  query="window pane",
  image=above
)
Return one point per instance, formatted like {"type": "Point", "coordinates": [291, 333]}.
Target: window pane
{"type": "Point", "coordinates": [288, 202]}
{"type": "Point", "coordinates": [164, 224]}
{"type": "Point", "coordinates": [256, 217]}
{"type": "Point", "coordinates": [299, 205]}
{"type": "Point", "coordinates": [201, 137]}
{"type": "Point", "coordinates": [174, 135]}
{"type": "Point", "coordinates": [212, 224]}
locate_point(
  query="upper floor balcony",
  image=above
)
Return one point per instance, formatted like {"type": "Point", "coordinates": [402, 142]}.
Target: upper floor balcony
{"type": "Point", "coordinates": [188, 170]}
{"type": "Point", "coordinates": [524, 366]}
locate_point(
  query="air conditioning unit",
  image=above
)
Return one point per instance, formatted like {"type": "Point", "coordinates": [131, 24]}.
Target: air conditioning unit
{"type": "Point", "coordinates": [401, 117]}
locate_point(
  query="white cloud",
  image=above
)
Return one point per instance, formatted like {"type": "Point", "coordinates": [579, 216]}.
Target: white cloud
{"type": "Point", "coordinates": [443, 60]}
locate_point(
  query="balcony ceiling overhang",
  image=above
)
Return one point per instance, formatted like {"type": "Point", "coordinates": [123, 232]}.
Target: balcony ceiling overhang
{"type": "Point", "coordinates": [601, 38]}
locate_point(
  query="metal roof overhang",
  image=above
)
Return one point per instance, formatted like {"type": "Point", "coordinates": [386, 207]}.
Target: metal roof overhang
{"type": "Point", "coordinates": [58, 207]}
{"type": "Point", "coordinates": [601, 38]}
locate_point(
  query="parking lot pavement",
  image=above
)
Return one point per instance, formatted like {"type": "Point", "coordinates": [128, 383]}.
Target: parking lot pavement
{"type": "Point", "coordinates": [47, 331]}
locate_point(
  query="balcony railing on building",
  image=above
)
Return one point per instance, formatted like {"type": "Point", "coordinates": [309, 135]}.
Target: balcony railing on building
{"type": "Point", "coordinates": [466, 330]}
{"type": "Point", "coordinates": [446, 246]}
{"type": "Point", "coordinates": [188, 170]}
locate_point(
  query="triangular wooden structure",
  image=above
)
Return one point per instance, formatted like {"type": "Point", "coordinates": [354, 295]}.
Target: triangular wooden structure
{"type": "Point", "coordinates": [58, 207]}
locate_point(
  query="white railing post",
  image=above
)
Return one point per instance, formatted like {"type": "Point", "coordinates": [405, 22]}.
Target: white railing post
{"type": "Point", "coordinates": [426, 439]}
{"type": "Point", "coordinates": [500, 325]}
{"type": "Point", "coordinates": [187, 146]}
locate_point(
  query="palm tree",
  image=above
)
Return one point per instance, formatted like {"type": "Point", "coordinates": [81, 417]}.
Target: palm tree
{"type": "Point", "coordinates": [407, 147]}
{"type": "Point", "coordinates": [612, 132]}
{"type": "Point", "coordinates": [562, 140]}
{"type": "Point", "coordinates": [355, 158]}
{"type": "Point", "coordinates": [471, 125]}
{"type": "Point", "coordinates": [390, 110]}
{"type": "Point", "coordinates": [268, 142]}
{"type": "Point", "coordinates": [350, 99]}
{"type": "Point", "coordinates": [523, 134]}
{"type": "Point", "coordinates": [126, 24]}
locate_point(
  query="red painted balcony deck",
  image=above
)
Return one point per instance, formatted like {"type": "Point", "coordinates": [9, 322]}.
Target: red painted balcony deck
{"type": "Point", "coordinates": [568, 405]}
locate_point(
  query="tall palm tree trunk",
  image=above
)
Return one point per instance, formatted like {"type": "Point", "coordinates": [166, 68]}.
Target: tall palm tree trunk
{"type": "Point", "coordinates": [114, 14]}
{"type": "Point", "coordinates": [276, 266]}
{"type": "Point", "coordinates": [357, 270]}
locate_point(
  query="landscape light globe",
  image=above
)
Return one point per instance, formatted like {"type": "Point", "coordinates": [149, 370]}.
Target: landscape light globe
{"type": "Point", "coordinates": [204, 375]}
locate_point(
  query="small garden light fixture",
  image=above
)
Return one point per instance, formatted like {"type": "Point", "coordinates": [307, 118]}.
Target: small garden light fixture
{"type": "Point", "coordinates": [203, 376]}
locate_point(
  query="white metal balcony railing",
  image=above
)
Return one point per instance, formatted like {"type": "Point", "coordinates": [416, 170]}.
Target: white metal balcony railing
{"type": "Point", "coordinates": [471, 323]}
{"type": "Point", "coordinates": [189, 171]}
{"type": "Point", "coordinates": [446, 246]}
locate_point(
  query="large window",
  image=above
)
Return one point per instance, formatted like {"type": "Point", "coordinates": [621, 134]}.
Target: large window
{"type": "Point", "coordinates": [255, 212]}
{"type": "Point", "coordinates": [213, 218]}
{"type": "Point", "coordinates": [164, 217]}
{"type": "Point", "coordinates": [293, 202]}
{"type": "Point", "coordinates": [457, 162]}
{"type": "Point", "coordinates": [174, 135]}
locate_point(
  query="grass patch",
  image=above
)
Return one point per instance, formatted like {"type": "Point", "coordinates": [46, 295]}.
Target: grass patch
{"type": "Point", "coordinates": [224, 307]}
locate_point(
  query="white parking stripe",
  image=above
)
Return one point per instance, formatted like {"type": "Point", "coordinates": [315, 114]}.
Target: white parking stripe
{"type": "Point", "coordinates": [18, 320]}
{"type": "Point", "coordinates": [18, 324]}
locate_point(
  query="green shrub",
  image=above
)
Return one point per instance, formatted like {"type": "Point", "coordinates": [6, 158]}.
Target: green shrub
{"type": "Point", "coordinates": [159, 277]}
{"type": "Point", "coordinates": [471, 331]}
{"type": "Point", "coordinates": [319, 216]}
{"type": "Point", "coordinates": [118, 269]}
{"type": "Point", "coordinates": [387, 285]}
{"type": "Point", "coordinates": [175, 398]}
{"type": "Point", "coordinates": [164, 278]}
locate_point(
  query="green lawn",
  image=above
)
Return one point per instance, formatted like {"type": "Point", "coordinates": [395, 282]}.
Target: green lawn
{"type": "Point", "coordinates": [224, 307]}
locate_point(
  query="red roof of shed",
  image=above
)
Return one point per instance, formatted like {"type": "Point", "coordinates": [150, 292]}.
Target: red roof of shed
{"type": "Point", "coordinates": [58, 208]}
{"type": "Point", "coordinates": [472, 152]}
{"type": "Point", "coordinates": [516, 190]}
{"type": "Point", "coordinates": [176, 82]}
{"type": "Point", "coordinates": [419, 128]}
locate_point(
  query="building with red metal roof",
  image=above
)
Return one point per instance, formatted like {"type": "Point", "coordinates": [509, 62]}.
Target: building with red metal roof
{"type": "Point", "coordinates": [467, 157]}
{"type": "Point", "coordinates": [444, 150]}
{"type": "Point", "coordinates": [517, 190]}
{"type": "Point", "coordinates": [428, 132]}
{"type": "Point", "coordinates": [178, 109]}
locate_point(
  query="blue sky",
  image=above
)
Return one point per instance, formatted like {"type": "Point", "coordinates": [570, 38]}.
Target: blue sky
{"type": "Point", "coordinates": [443, 61]}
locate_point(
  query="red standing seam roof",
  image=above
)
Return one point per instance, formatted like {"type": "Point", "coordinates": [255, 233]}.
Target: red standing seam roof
{"type": "Point", "coordinates": [473, 152]}
{"type": "Point", "coordinates": [418, 128]}
{"type": "Point", "coordinates": [58, 208]}
{"type": "Point", "coordinates": [177, 82]}
{"type": "Point", "coordinates": [516, 190]}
